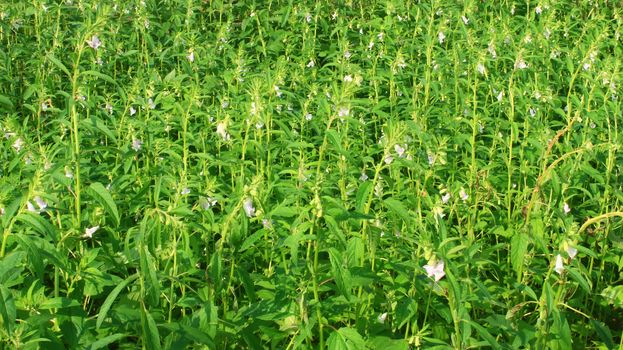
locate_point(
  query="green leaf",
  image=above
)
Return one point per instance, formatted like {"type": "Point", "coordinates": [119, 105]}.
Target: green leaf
{"type": "Point", "coordinates": [398, 208]}
{"type": "Point", "coordinates": [386, 343]}
{"type": "Point", "coordinates": [110, 299]}
{"type": "Point", "coordinates": [341, 275]}
{"type": "Point", "coordinates": [101, 194]}
{"type": "Point", "coordinates": [7, 309]}
{"type": "Point", "coordinates": [519, 247]}
{"type": "Point", "coordinates": [485, 334]}
{"type": "Point", "coordinates": [151, 337]}
{"type": "Point", "coordinates": [104, 342]}
{"type": "Point", "coordinates": [59, 64]}
{"type": "Point", "coordinates": [576, 276]}
{"type": "Point", "coordinates": [59, 303]}
{"type": "Point", "coordinates": [148, 274]}
{"type": "Point", "coordinates": [5, 101]}
{"type": "Point", "coordinates": [39, 224]}
{"type": "Point", "coordinates": [603, 332]}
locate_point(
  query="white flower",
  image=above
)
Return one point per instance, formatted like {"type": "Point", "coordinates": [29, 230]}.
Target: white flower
{"type": "Point", "coordinates": [566, 208]}
{"type": "Point", "coordinates": [343, 112]}
{"type": "Point", "coordinates": [90, 231]}
{"type": "Point", "coordinates": [248, 207]}
{"type": "Point", "coordinates": [481, 68]}
{"type": "Point", "coordinates": [44, 106]}
{"type": "Point", "coordinates": [191, 57]}
{"type": "Point", "coordinates": [538, 10]}
{"type": "Point", "coordinates": [224, 104]}
{"type": "Point", "coordinates": [532, 112]}
{"type": "Point", "coordinates": [136, 144]}
{"type": "Point", "coordinates": [559, 267]}
{"type": "Point", "coordinates": [277, 91]}
{"type": "Point", "coordinates": [572, 252]}
{"type": "Point", "coordinates": [500, 96]}
{"type": "Point", "coordinates": [185, 191]}
{"type": "Point", "coordinates": [31, 208]}
{"type": "Point", "coordinates": [207, 203]}
{"type": "Point", "coordinates": [308, 18]}
{"type": "Point", "coordinates": [388, 159]}
{"type": "Point", "coordinates": [586, 66]}
{"type": "Point", "coordinates": [151, 104]}
{"type": "Point", "coordinates": [347, 54]}
{"type": "Point", "coordinates": [445, 198]}
{"type": "Point", "coordinates": [40, 203]}
{"type": "Point", "coordinates": [68, 173]}
{"type": "Point", "coordinates": [434, 269]}
{"type": "Point", "coordinates": [95, 42]}
{"type": "Point", "coordinates": [438, 213]}
{"type": "Point", "coordinates": [441, 36]}
{"type": "Point", "coordinates": [221, 130]}
{"type": "Point", "coordinates": [108, 108]}
{"type": "Point", "coordinates": [348, 78]}
{"type": "Point", "coordinates": [132, 111]}
{"type": "Point", "coordinates": [308, 116]}
{"type": "Point", "coordinates": [465, 20]}
{"type": "Point", "coordinates": [382, 317]}
{"type": "Point", "coordinates": [431, 159]}
{"type": "Point", "coordinates": [1, 211]}
{"type": "Point", "coordinates": [463, 194]}
{"type": "Point", "coordinates": [521, 64]}
{"type": "Point", "coordinates": [311, 64]}
{"type": "Point", "coordinates": [492, 51]}
{"type": "Point", "coordinates": [400, 150]}
{"type": "Point", "coordinates": [18, 144]}
{"type": "Point", "coordinates": [363, 176]}
{"type": "Point", "coordinates": [268, 224]}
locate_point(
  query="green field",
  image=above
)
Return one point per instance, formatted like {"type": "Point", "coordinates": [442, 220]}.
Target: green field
{"type": "Point", "coordinates": [279, 174]}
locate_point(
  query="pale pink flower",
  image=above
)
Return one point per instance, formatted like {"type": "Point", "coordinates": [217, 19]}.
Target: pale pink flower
{"type": "Point", "coordinates": [434, 269]}
{"type": "Point", "coordinates": [94, 42]}
{"type": "Point", "coordinates": [559, 266]}
{"type": "Point", "coordinates": [90, 231]}
{"type": "Point", "coordinates": [248, 207]}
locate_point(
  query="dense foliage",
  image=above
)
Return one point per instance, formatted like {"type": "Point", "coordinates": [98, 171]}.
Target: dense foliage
{"type": "Point", "coordinates": [306, 175]}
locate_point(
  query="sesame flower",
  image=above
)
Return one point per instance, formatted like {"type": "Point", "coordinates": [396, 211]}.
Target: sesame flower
{"type": "Point", "coordinates": [382, 317]}
{"type": "Point", "coordinates": [191, 57]}
{"type": "Point", "coordinates": [445, 198]}
{"type": "Point", "coordinates": [343, 112]}
{"type": "Point", "coordinates": [572, 252]}
{"type": "Point", "coordinates": [348, 78]}
{"type": "Point", "coordinates": [90, 231]}
{"type": "Point", "coordinates": [521, 64]}
{"type": "Point", "coordinates": [400, 150]}
{"type": "Point", "coordinates": [18, 144]}
{"type": "Point", "coordinates": [566, 208]}
{"type": "Point", "coordinates": [132, 111]}
{"type": "Point", "coordinates": [221, 130]}
{"type": "Point", "coordinates": [308, 116]}
{"type": "Point", "coordinates": [442, 37]}
{"type": "Point", "coordinates": [95, 42]}
{"type": "Point", "coordinates": [311, 64]}
{"type": "Point", "coordinates": [363, 176]}
{"type": "Point", "coordinates": [434, 269]}
{"type": "Point", "coordinates": [463, 194]}
{"type": "Point", "coordinates": [40, 203]}
{"type": "Point", "coordinates": [388, 159]}
{"type": "Point", "coordinates": [268, 224]}
{"type": "Point", "coordinates": [438, 213]}
{"type": "Point", "coordinates": [559, 266]}
{"type": "Point", "coordinates": [248, 207]}
{"type": "Point", "coordinates": [185, 191]}
{"type": "Point", "coordinates": [465, 20]}
{"type": "Point", "coordinates": [1, 211]}
{"type": "Point", "coordinates": [481, 68]}
{"type": "Point", "coordinates": [151, 104]}
{"type": "Point", "coordinates": [137, 144]}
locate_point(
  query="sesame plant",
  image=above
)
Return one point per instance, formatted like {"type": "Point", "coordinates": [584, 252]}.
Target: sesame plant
{"type": "Point", "coordinates": [393, 174]}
